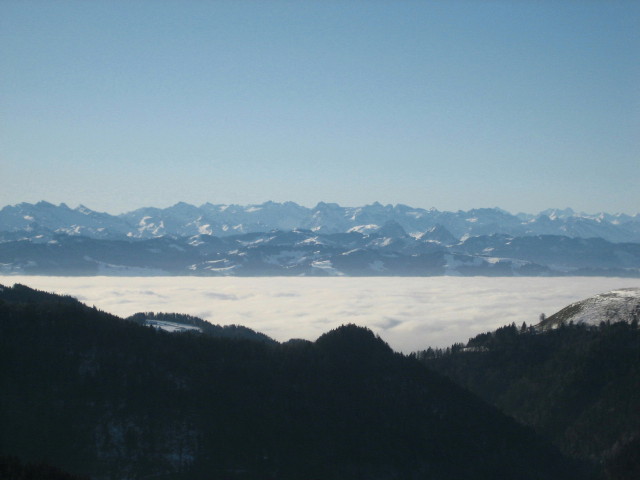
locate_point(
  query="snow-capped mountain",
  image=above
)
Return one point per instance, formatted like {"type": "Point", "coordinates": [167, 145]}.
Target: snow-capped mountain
{"type": "Point", "coordinates": [41, 220]}
{"type": "Point", "coordinates": [288, 239]}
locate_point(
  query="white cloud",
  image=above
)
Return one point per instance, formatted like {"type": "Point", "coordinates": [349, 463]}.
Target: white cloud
{"type": "Point", "coordinates": [408, 313]}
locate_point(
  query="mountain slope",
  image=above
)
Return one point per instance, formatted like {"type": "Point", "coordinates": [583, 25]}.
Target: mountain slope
{"type": "Point", "coordinates": [99, 395]}
{"type": "Point", "coordinates": [621, 305]}
{"type": "Point", "coordinates": [575, 378]}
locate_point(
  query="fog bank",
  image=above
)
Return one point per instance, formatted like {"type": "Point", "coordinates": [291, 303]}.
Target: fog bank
{"type": "Point", "coordinates": [408, 313]}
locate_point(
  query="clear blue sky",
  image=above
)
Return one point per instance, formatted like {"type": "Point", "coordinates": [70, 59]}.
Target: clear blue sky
{"type": "Point", "coordinates": [523, 105]}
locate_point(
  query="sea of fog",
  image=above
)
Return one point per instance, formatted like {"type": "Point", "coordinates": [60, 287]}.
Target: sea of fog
{"type": "Point", "coordinates": [407, 312]}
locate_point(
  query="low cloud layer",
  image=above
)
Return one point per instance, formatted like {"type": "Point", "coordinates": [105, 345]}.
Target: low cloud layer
{"type": "Point", "coordinates": [409, 313]}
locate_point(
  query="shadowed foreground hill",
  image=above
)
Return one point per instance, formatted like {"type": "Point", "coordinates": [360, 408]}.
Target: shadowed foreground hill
{"type": "Point", "coordinates": [97, 395]}
{"type": "Point", "coordinates": [575, 378]}
{"type": "Point", "coordinates": [11, 468]}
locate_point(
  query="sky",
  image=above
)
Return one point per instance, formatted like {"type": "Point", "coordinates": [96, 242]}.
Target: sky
{"type": "Point", "coordinates": [408, 313]}
{"type": "Point", "coordinates": [523, 105]}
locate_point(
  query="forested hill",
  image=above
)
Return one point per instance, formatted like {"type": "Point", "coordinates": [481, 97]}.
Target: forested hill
{"type": "Point", "coordinates": [577, 384]}
{"type": "Point", "coordinates": [181, 322]}
{"type": "Point", "coordinates": [97, 395]}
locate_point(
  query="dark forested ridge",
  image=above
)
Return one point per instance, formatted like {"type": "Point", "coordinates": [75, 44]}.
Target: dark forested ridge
{"type": "Point", "coordinates": [577, 385]}
{"type": "Point", "coordinates": [97, 395]}
{"type": "Point", "coordinates": [227, 331]}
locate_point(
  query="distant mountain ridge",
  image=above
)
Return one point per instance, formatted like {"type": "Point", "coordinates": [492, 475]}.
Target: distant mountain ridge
{"type": "Point", "coordinates": [27, 220]}
{"type": "Point", "coordinates": [287, 239]}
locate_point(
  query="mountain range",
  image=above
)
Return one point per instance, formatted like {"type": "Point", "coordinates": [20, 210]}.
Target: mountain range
{"type": "Point", "coordinates": [180, 220]}
{"type": "Point", "coordinates": [289, 239]}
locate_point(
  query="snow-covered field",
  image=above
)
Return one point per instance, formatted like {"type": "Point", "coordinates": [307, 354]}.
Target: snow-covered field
{"type": "Point", "coordinates": [409, 313]}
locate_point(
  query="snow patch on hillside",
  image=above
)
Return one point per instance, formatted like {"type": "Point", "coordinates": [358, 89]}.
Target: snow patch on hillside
{"type": "Point", "coordinates": [326, 266]}
{"type": "Point", "coordinates": [621, 305]}
{"type": "Point", "coordinates": [171, 326]}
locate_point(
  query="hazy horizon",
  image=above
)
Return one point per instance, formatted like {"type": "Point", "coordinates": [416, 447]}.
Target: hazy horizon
{"type": "Point", "coordinates": [311, 206]}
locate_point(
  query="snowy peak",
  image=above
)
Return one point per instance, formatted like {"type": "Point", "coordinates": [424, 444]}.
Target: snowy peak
{"type": "Point", "coordinates": [554, 213]}
{"type": "Point", "coordinates": [438, 234]}
{"type": "Point", "coordinates": [621, 305]}
{"type": "Point", "coordinates": [44, 218]}
{"type": "Point", "coordinates": [392, 229]}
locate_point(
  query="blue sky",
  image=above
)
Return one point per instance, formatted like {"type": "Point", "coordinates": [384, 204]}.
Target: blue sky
{"type": "Point", "coordinates": [452, 105]}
